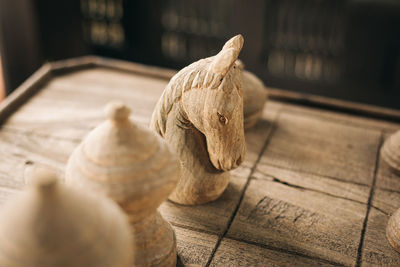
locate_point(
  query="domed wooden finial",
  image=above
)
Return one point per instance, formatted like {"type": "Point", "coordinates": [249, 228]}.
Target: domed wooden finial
{"type": "Point", "coordinates": [134, 167]}
{"type": "Point", "coordinates": [50, 225]}
{"type": "Point", "coordinates": [117, 111]}
{"type": "Point", "coordinates": [44, 180]}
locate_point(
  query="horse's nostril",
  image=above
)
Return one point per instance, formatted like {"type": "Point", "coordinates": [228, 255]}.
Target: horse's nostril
{"type": "Point", "coordinates": [239, 161]}
{"type": "Point", "coordinates": [219, 165]}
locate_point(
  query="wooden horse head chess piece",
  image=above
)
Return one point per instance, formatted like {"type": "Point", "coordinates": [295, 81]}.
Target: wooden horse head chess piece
{"type": "Point", "coordinates": [134, 167]}
{"type": "Point", "coordinates": [390, 153]}
{"type": "Point", "coordinates": [254, 96]}
{"type": "Point", "coordinates": [200, 115]}
{"type": "Point", "coordinates": [51, 225]}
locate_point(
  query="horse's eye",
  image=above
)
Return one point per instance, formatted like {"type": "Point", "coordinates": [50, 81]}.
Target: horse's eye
{"type": "Point", "coordinates": [222, 119]}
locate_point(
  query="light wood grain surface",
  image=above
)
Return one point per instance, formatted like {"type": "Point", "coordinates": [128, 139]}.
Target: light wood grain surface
{"type": "Point", "coordinates": [311, 192]}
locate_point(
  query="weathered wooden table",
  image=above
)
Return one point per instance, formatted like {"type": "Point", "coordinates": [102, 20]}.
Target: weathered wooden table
{"type": "Point", "coordinates": [312, 191]}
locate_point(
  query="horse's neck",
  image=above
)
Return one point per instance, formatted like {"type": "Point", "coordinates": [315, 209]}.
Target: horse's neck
{"type": "Point", "coordinates": [188, 142]}
{"type": "Point", "coordinates": [163, 109]}
{"type": "Point", "coordinates": [171, 122]}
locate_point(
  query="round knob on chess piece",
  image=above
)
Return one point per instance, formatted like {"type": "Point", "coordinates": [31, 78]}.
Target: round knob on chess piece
{"type": "Point", "coordinates": [51, 225]}
{"type": "Point", "coordinates": [254, 96]}
{"type": "Point", "coordinates": [390, 151]}
{"type": "Point", "coordinates": [134, 167]}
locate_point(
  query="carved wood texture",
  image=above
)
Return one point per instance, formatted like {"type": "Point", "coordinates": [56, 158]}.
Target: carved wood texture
{"type": "Point", "coordinates": [312, 190]}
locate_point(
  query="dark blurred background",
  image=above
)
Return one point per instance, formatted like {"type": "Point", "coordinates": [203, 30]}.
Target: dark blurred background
{"type": "Point", "coordinates": [346, 49]}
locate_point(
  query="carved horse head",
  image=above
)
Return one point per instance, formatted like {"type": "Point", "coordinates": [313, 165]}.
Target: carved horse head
{"type": "Point", "coordinates": [216, 110]}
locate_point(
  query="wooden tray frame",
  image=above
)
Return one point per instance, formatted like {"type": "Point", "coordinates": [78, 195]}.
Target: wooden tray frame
{"type": "Point", "coordinates": [48, 70]}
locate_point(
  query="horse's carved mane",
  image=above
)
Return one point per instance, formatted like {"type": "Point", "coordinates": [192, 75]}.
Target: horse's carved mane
{"type": "Point", "coordinates": [195, 76]}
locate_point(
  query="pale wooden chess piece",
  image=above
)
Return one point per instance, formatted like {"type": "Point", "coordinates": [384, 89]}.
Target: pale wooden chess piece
{"type": "Point", "coordinates": [254, 96]}
{"type": "Point", "coordinates": [200, 115]}
{"type": "Point", "coordinates": [393, 230]}
{"type": "Point", "coordinates": [133, 166]}
{"type": "Point", "coordinates": [51, 225]}
{"type": "Point", "coordinates": [390, 151]}
{"type": "Point", "coordinates": [390, 154]}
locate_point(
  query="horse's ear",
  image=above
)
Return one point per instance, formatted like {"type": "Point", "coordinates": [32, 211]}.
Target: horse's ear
{"type": "Point", "coordinates": [239, 64]}
{"type": "Point", "coordinates": [235, 42]}
{"type": "Point", "coordinates": [224, 60]}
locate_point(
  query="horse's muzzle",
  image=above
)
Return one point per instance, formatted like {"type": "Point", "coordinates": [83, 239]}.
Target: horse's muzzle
{"type": "Point", "coordinates": [227, 164]}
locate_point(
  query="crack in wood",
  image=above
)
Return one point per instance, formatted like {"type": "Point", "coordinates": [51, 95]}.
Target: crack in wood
{"type": "Point", "coordinates": [276, 180]}
{"type": "Point", "coordinates": [264, 246]}
{"type": "Point", "coordinates": [378, 209]}
{"type": "Point", "coordinates": [282, 250]}
{"type": "Point", "coordinates": [298, 217]}
{"type": "Point", "coordinates": [280, 210]}
{"type": "Point", "coordinates": [279, 216]}
{"type": "Point", "coordinates": [388, 190]}
{"type": "Point", "coordinates": [369, 204]}
{"type": "Point", "coordinates": [306, 172]}
{"type": "Point", "coordinates": [187, 227]}
{"type": "Point", "coordinates": [254, 211]}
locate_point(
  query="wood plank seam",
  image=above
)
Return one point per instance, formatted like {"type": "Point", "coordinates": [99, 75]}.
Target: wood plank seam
{"type": "Point", "coordinates": [11, 129]}
{"type": "Point", "coordinates": [187, 227]}
{"type": "Point", "coordinates": [253, 169]}
{"type": "Point", "coordinates": [281, 250]}
{"type": "Point", "coordinates": [311, 173]}
{"type": "Point", "coordinates": [276, 180]}
{"type": "Point", "coordinates": [369, 204]}
{"type": "Point", "coordinates": [378, 209]}
{"type": "Point", "coordinates": [388, 190]}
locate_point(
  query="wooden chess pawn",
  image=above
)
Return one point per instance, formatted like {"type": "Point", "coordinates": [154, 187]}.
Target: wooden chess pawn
{"type": "Point", "coordinates": [390, 154]}
{"type": "Point", "coordinates": [200, 115]}
{"type": "Point", "coordinates": [51, 225]}
{"type": "Point", "coordinates": [254, 96]}
{"type": "Point", "coordinates": [390, 151]}
{"type": "Point", "coordinates": [134, 167]}
{"type": "Point", "coordinates": [393, 230]}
